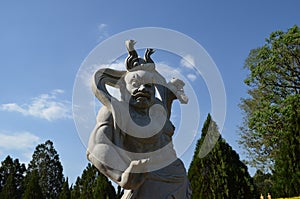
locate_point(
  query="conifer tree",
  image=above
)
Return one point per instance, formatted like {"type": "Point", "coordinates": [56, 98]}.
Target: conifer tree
{"type": "Point", "coordinates": [13, 171]}
{"type": "Point", "coordinates": [33, 189]}
{"type": "Point", "coordinates": [9, 190]}
{"type": "Point", "coordinates": [220, 174]}
{"type": "Point", "coordinates": [93, 184]}
{"type": "Point", "coordinates": [45, 160]}
{"type": "Point", "coordinates": [66, 192]}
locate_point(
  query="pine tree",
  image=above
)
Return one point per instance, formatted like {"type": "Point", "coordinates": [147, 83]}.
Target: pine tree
{"type": "Point", "coordinates": [33, 189]}
{"type": "Point", "coordinates": [218, 173]}
{"type": "Point", "coordinates": [45, 161]}
{"type": "Point", "coordinates": [76, 190]}
{"type": "Point", "coordinates": [65, 193]}
{"type": "Point", "coordinates": [9, 190]}
{"type": "Point", "coordinates": [15, 171]}
{"type": "Point", "coordinates": [93, 184]}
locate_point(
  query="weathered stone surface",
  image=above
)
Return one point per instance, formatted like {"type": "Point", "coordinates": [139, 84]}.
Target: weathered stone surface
{"type": "Point", "coordinates": [132, 140]}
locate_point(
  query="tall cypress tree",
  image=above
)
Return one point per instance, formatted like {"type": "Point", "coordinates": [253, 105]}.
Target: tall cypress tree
{"type": "Point", "coordinates": [45, 160]}
{"type": "Point", "coordinates": [66, 192]}
{"type": "Point", "coordinates": [33, 189]}
{"type": "Point", "coordinates": [11, 176]}
{"type": "Point", "coordinates": [220, 173]}
{"type": "Point", "coordinates": [93, 184]}
{"type": "Point", "coordinates": [9, 189]}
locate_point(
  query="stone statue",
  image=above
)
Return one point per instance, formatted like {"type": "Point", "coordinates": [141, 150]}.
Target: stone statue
{"type": "Point", "coordinates": [132, 141]}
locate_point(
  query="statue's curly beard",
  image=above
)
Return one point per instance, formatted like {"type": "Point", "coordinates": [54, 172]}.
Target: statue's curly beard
{"type": "Point", "coordinates": [141, 100]}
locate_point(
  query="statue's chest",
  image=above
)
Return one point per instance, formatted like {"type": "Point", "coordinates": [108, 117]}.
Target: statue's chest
{"type": "Point", "coordinates": [150, 144]}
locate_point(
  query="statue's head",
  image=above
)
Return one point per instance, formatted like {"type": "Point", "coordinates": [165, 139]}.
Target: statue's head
{"type": "Point", "coordinates": [138, 83]}
{"type": "Point", "coordinates": [139, 86]}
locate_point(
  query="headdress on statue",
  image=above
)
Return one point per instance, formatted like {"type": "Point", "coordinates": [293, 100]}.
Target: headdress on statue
{"type": "Point", "coordinates": [133, 60]}
{"type": "Point", "coordinates": [115, 78]}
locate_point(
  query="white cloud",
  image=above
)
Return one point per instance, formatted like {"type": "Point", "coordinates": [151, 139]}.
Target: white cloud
{"type": "Point", "coordinates": [167, 71]}
{"type": "Point", "coordinates": [45, 106]}
{"type": "Point", "coordinates": [87, 73]}
{"type": "Point", "coordinates": [20, 145]}
{"type": "Point", "coordinates": [191, 77]}
{"type": "Point", "coordinates": [188, 61]}
{"type": "Point", "coordinates": [18, 141]}
{"type": "Point", "coordinates": [103, 32]}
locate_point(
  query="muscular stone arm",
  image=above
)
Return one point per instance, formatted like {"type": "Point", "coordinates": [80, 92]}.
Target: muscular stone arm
{"type": "Point", "coordinates": [106, 157]}
{"type": "Point", "coordinates": [100, 146]}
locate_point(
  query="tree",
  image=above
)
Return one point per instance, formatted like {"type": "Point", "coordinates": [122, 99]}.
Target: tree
{"type": "Point", "coordinates": [263, 182]}
{"type": "Point", "coordinates": [286, 173]}
{"type": "Point", "coordinates": [270, 132]}
{"type": "Point", "coordinates": [33, 189]}
{"type": "Point", "coordinates": [93, 184]}
{"type": "Point", "coordinates": [9, 190]}
{"type": "Point", "coordinates": [220, 174]}
{"type": "Point", "coordinates": [45, 161]}
{"type": "Point", "coordinates": [11, 176]}
{"type": "Point", "coordinates": [66, 192]}
{"type": "Point", "coordinates": [120, 192]}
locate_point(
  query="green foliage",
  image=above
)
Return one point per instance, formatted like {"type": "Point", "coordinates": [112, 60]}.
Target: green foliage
{"type": "Point", "coordinates": [45, 161]}
{"type": "Point", "coordinates": [263, 182]}
{"type": "Point", "coordinates": [93, 184]}
{"type": "Point", "coordinates": [271, 132]}
{"type": "Point", "coordinates": [274, 78]}
{"type": "Point", "coordinates": [220, 174]}
{"type": "Point", "coordinates": [9, 190]}
{"type": "Point", "coordinates": [66, 192]}
{"type": "Point", "coordinates": [11, 178]}
{"type": "Point", "coordinates": [33, 189]}
{"type": "Point", "coordinates": [286, 174]}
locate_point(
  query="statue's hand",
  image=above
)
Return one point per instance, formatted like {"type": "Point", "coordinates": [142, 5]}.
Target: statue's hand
{"type": "Point", "coordinates": [135, 174]}
{"type": "Point", "coordinates": [176, 86]}
{"type": "Point", "coordinates": [138, 166]}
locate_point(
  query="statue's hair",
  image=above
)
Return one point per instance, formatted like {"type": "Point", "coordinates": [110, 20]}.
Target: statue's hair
{"type": "Point", "coordinates": [147, 67]}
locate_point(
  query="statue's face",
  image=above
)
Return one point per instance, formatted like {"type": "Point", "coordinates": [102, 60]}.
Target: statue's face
{"type": "Point", "coordinates": [140, 87]}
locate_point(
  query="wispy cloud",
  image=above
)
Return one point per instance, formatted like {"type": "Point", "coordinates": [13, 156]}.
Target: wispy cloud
{"type": "Point", "coordinates": [18, 141]}
{"type": "Point", "coordinates": [167, 71]}
{"type": "Point", "coordinates": [45, 106]}
{"type": "Point", "coordinates": [188, 61]}
{"type": "Point", "coordinates": [102, 28]}
{"type": "Point", "coordinates": [87, 73]}
{"type": "Point", "coordinates": [21, 144]}
{"type": "Point", "coordinates": [191, 77]}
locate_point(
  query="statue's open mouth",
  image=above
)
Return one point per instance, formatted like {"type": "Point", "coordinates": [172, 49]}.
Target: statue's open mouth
{"type": "Point", "coordinates": [141, 95]}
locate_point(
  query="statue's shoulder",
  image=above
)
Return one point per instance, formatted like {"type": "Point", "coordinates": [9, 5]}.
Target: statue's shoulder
{"type": "Point", "coordinates": [104, 115]}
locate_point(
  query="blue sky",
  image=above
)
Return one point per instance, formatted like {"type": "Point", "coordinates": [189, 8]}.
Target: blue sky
{"type": "Point", "coordinates": [43, 44]}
